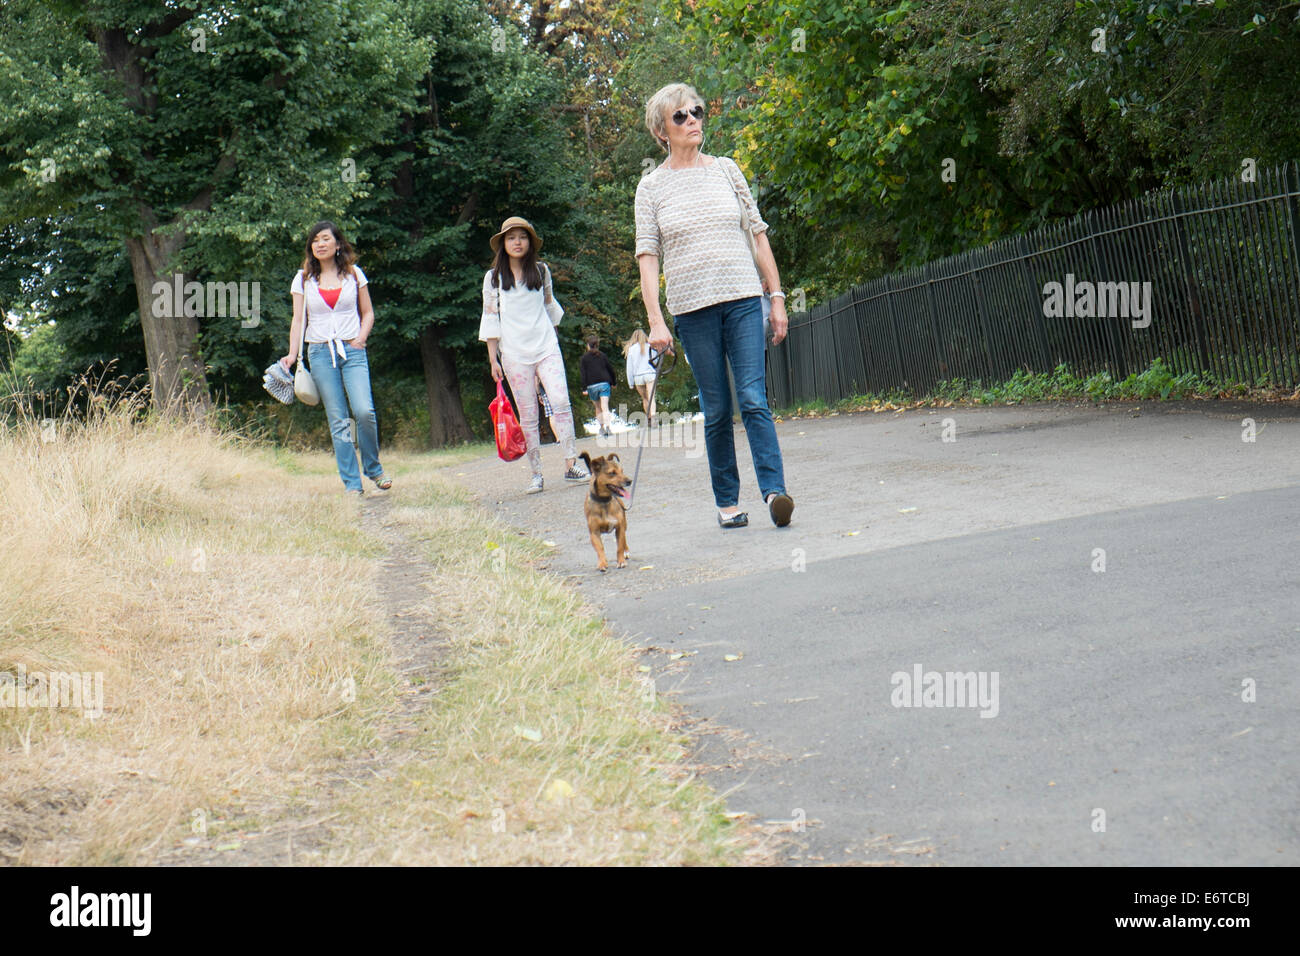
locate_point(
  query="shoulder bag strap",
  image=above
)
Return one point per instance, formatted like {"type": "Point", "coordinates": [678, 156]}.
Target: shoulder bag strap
{"type": "Point", "coordinates": [302, 341]}
{"type": "Point", "coordinates": [744, 213]}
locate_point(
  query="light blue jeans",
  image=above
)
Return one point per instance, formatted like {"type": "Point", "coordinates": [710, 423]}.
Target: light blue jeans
{"type": "Point", "coordinates": [710, 337]}
{"type": "Point", "coordinates": [341, 386]}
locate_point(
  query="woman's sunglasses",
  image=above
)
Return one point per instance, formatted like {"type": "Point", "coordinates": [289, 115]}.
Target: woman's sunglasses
{"type": "Point", "coordinates": [680, 116]}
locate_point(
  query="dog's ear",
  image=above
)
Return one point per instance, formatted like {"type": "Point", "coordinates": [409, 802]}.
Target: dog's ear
{"type": "Point", "coordinates": [612, 457]}
{"type": "Point", "coordinates": [587, 458]}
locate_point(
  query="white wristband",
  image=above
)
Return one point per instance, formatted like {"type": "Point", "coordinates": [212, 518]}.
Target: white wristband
{"type": "Point", "coordinates": [776, 295]}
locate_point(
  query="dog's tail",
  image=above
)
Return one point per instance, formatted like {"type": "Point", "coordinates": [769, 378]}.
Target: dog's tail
{"type": "Point", "coordinates": [587, 458]}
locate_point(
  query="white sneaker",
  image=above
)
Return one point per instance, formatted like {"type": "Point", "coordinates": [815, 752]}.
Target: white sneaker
{"type": "Point", "coordinates": [534, 486]}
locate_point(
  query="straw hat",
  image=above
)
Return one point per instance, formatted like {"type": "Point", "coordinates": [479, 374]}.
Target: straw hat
{"type": "Point", "coordinates": [515, 222]}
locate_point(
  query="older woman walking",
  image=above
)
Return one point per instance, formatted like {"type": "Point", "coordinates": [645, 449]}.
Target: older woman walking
{"type": "Point", "coordinates": [693, 211]}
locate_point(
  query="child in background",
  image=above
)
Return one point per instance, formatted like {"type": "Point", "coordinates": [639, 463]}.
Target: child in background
{"type": "Point", "coordinates": [598, 379]}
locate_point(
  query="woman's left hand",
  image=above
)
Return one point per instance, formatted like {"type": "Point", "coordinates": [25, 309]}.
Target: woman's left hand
{"type": "Point", "coordinates": [357, 343]}
{"type": "Point", "coordinates": [778, 320]}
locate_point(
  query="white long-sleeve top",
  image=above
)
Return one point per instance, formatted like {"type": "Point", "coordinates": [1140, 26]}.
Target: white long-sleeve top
{"type": "Point", "coordinates": [525, 324]}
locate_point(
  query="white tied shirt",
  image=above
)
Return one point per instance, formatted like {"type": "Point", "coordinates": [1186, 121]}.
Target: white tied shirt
{"type": "Point", "coordinates": [331, 326]}
{"type": "Point", "coordinates": [525, 326]}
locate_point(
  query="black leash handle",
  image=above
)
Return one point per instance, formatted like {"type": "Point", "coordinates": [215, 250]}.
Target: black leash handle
{"type": "Point", "coordinates": [656, 362]}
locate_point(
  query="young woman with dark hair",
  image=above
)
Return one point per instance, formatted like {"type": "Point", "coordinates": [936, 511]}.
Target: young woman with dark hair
{"type": "Point", "coordinates": [331, 296]}
{"type": "Point", "coordinates": [520, 313]}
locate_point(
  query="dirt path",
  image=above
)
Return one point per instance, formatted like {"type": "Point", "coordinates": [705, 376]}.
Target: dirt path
{"type": "Point", "coordinates": [304, 832]}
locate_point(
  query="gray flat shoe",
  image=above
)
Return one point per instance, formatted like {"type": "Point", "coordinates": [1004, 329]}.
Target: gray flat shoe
{"type": "Point", "coordinates": [738, 520]}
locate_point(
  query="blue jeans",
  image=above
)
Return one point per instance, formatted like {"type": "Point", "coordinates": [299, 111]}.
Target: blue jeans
{"type": "Point", "coordinates": [351, 376]}
{"type": "Point", "coordinates": [711, 336]}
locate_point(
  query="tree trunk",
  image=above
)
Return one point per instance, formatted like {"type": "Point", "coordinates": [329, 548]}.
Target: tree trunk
{"type": "Point", "coordinates": [447, 422]}
{"type": "Point", "coordinates": [171, 339]}
{"type": "Point", "coordinates": [176, 373]}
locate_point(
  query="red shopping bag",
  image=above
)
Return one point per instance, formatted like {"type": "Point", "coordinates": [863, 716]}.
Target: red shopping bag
{"type": "Point", "coordinates": [510, 437]}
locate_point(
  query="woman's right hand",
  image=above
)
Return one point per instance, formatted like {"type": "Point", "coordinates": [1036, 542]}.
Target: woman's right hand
{"type": "Point", "coordinates": [496, 371]}
{"type": "Point", "coordinates": [287, 361]}
{"type": "Point", "coordinates": [660, 338]}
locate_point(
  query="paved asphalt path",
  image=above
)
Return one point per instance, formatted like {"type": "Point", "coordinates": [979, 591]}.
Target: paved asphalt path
{"type": "Point", "coordinates": [1119, 695]}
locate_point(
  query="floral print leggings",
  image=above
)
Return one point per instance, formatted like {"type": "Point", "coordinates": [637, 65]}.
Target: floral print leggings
{"type": "Point", "coordinates": [523, 377]}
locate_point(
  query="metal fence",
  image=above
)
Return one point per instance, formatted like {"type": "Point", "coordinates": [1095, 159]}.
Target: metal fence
{"type": "Point", "coordinates": [1220, 262]}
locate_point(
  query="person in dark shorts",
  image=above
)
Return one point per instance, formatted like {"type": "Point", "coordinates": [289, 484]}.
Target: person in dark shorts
{"type": "Point", "coordinates": [598, 380]}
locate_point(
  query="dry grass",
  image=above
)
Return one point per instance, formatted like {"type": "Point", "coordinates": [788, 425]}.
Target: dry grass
{"type": "Point", "coordinates": [187, 571]}
{"type": "Point", "coordinates": [548, 747]}
{"type": "Point", "coordinates": [231, 601]}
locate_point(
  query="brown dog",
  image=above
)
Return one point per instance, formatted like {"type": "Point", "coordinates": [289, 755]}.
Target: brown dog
{"type": "Point", "coordinates": [604, 506]}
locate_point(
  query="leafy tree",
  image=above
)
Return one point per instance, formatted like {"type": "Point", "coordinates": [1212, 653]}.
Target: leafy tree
{"type": "Point", "coordinates": [481, 144]}
{"type": "Point", "coordinates": [52, 272]}
{"type": "Point", "coordinates": [891, 133]}
{"type": "Point", "coordinates": [197, 135]}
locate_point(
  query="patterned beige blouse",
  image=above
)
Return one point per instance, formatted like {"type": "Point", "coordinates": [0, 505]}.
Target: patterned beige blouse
{"type": "Point", "coordinates": [691, 219]}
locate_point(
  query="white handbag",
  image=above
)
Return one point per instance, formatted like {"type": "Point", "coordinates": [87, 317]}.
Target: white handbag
{"type": "Point", "coordinates": [304, 387]}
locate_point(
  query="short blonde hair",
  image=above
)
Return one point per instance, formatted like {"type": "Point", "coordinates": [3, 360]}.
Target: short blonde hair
{"type": "Point", "coordinates": [668, 97]}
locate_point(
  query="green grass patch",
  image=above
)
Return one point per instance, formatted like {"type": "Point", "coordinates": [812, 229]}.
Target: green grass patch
{"type": "Point", "coordinates": [1156, 383]}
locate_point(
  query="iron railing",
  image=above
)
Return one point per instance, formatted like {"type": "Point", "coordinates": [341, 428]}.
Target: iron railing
{"type": "Point", "coordinates": [1223, 265]}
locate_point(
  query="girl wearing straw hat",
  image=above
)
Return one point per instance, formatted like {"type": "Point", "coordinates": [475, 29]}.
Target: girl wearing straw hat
{"type": "Point", "coordinates": [520, 313]}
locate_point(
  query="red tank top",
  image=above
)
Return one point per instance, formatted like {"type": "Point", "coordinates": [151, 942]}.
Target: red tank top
{"type": "Point", "coordinates": [331, 296]}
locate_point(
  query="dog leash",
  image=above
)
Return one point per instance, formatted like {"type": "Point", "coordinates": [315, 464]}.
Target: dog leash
{"type": "Point", "coordinates": [656, 361]}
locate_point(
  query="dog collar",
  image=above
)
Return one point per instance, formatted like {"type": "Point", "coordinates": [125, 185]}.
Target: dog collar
{"type": "Point", "coordinates": [595, 497]}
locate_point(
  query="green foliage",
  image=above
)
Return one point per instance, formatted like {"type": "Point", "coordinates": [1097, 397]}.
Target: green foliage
{"type": "Point", "coordinates": [848, 116]}
{"type": "Point", "coordinates": [120, 119]}
{"type": "Point", "coordinates": [222, 129]}
{"type": "Point", "coordinates": [483, 144]}
{"type": "Point", "coordinates": [38, 364]}
{"type": "Point", "coordinates": [66, 275]}
{"type": "Point", "coordinates": [1158, 382]}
